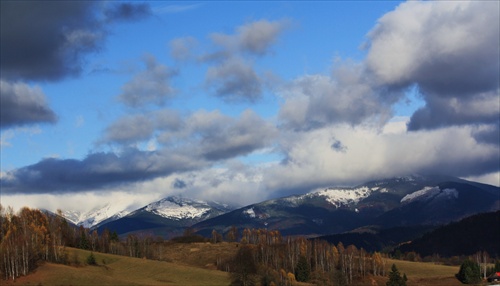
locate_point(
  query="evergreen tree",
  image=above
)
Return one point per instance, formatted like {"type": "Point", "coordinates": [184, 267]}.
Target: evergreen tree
{"type": "Point", "coordinates": [469, 272]}
{"type": "Point", "coordinates": [302, 270]}
{"type": "Point", "coordinates": [91, 259]}
{"type": "Point", "coordinates": [395, 278]}
{"type": "Point", "coordinates": [244, 268]}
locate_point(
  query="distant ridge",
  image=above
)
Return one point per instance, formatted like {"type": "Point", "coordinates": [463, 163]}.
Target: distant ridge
{"type": "Point", "coordinates": [403, 201]}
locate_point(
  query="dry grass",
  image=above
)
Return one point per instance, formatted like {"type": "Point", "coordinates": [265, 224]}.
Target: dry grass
{"type": "Point", "coordinates": [202, 255]}
{"type": "Point", "coordinates": [423, 273]}
{"type": "Point", "coordinates": [120, 270]}
{"type": "Point", "coordinates": [194, 264]}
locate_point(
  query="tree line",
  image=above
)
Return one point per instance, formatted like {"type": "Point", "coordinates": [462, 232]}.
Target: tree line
{"type": "Point", "coordinates": [267, 258]}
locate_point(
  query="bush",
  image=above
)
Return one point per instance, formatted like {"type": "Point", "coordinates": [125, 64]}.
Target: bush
{"type": "Point", "coordinates": [91, 259]}
{"type": "Point", "coordinates": [469, 272]}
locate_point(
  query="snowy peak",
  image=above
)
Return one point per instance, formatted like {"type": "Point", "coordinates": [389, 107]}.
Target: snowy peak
{"type": "Point", "coordinates": [167, 217]}
{"type": "Point", "coordinates": [94, 217]}
{"type": "Point", "coordinates": [182, 208]}
{"type": "Point", "coordinates": [178, 208]}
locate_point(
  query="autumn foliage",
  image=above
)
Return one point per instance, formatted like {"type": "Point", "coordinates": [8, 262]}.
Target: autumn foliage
{"type": "Point", "coordinates": [26, 238]}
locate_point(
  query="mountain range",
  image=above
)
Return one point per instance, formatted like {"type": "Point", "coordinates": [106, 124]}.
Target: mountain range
{"type": "Point", "coordinates": [414, 200]}
{"type": "Point", "coordinates": [405, 201]}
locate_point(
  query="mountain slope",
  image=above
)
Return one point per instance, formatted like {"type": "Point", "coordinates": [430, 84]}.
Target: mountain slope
{"type": "Point", "coordinates": [393, 202]}
{"type": "Point", "coordinates": [109, 212]}
{"type": "Point", "coordinates": [167, 217]}
{"type": "Point", "coordinates": [443, 203]}
{"type": "Point", "coordinates": [480, 232]}
{"type": "Point", "coordinates": [376, 239]}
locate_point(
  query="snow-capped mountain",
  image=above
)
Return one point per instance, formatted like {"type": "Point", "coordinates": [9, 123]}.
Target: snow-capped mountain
{"type": "Point", "coordinates": [166, 217]}
{"type": "Point", "coordinates": [410, 200]}
{"type": "Point", "coordinates": [92, 218]}
{"type": "Point", "coordinates": [181, 208]}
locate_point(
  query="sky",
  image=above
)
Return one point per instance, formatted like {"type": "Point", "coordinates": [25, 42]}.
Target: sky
{"type": "Point", "coordinates": [240, 102]}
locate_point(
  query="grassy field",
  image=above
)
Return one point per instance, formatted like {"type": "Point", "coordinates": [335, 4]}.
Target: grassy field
{"type": "Point", "coordinates": [121, 270]}
{"type": "Point", "coordinates": [194, 264]}
{"type": "Point", "coordinates": [420, 273]}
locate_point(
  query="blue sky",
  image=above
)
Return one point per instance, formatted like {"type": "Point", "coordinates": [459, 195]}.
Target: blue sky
{"type": "Point", "coordinates": [242, 101]}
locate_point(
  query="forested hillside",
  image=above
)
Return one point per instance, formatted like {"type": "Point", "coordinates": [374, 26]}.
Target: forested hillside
{"type": "Point", "coordinates": [476, 233]}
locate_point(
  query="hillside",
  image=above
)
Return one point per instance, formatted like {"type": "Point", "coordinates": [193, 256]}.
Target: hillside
{"type": "Point", "coordinates": [476, 233]}
{"type": "Point", "coordinates": [377, 239]}
{"type": "Point", "coordinates": [121, 270]}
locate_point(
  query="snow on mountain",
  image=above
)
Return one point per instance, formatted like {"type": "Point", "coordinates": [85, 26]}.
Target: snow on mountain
{"type": "Point", "coordinates": [178, 208]}
{"type": "Point", "coordinates": [339, 197]}
{"type": "Point", "coordinates": [250, 212]}
{"type": "Point", "coordinates": [428, 193]}
{"type": "Point", "coordinates": [181, 208]}
{"type": "Point", "coordinates": [91, 218]}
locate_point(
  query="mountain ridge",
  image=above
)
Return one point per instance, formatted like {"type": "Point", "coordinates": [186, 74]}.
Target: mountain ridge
{"type": "Point", "coordinates": [388, 203]}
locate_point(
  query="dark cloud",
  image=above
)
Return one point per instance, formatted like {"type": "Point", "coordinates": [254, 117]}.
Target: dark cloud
{"type": "Point", "coordinates": [488, 135]}
{"type": "Point", "coordinates": [450, 53]}
{"type": "Point", "coordinates": [439, 111]}
{"type": "Point", "coordinates": [96, 171]}
{"type": "Point", "coordinates": [151, 86]}
{"type": "Point", "coordinates": [127, 12]}
{"type": "Point", "coordinates": [179, 184]}
{"type": "Point", "coordinates": [206, 138]}
{"type": "Point", "coordinates": [45, 40]}
{"type": "Point", "coordinates": [21, 105]}
{"type": "Point", "coordinates": [234, 80]}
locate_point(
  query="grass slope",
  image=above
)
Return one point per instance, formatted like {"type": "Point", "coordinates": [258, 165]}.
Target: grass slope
{"type": "Point", "coordinates": [121, 270]}
{"type": "Point", "coordinates": [192, 264]}
{"type": "Point", "coordinates": [423, 273]}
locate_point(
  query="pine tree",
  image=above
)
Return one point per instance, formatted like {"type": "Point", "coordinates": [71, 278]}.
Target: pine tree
{"type": "Point", "coordinates": [469, 272]}
{"type": "Point", "coordinates": [395, 278]}
{"type": "Point", "coordinates": [302, 270]}
{"type": "Point", "coordinates": [91, 259]}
